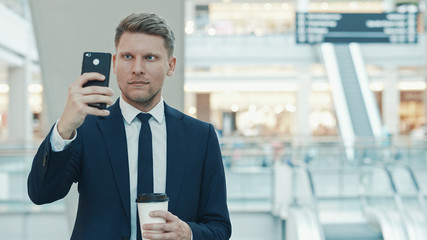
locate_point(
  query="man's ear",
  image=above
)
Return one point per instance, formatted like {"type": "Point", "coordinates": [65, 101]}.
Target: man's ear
{"type": "Point", "coordinates": [114, 63]}
{"type": "Point", "coordinates": [172, 64]}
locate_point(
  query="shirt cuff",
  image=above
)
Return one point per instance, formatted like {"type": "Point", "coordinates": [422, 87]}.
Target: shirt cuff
{"type": "Point", "coordinates": [57, 142]}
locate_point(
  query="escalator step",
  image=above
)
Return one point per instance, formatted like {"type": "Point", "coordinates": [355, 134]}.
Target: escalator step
{"type": "Point", "coordinates": [351, 232]}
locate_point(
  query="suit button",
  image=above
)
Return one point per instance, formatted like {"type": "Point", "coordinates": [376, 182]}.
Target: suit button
{"type": "Point", "coordinates": [45, 160]}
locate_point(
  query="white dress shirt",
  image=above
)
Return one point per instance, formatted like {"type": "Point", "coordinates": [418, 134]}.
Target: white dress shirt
{"type": "Point", "coordinates": [132, 127]}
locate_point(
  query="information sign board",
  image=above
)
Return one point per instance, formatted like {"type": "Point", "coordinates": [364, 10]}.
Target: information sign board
{"type": "Point", "coordinates": [394, 27]}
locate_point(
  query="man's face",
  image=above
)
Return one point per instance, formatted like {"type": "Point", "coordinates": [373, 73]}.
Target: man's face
{"type": "Point", "coordinates": [141, 64]}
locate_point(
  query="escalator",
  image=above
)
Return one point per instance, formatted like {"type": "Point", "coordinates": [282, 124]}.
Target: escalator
{"type": "Point", "coordinates": [302, 224]}
{"type": "Point", "coordinates": [406, 219]}
{"type": "Point", "coordinates": [352, 92]}
{"type": "Point", "coordinates": [387, 212]}
{"type": "Point", "coordinates": [306, 220]}
{"type": "Point", "coordinates": [303, 221]}
{"type": "Point", "coordinates": [356, 109]}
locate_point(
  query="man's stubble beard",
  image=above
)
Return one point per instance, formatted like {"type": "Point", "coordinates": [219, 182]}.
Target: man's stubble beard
{"type": "Point", "coordinates": [146, 102]}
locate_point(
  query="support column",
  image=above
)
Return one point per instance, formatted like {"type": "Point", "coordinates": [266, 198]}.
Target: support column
{"type": "Point", "coordinates": [391, 101]}
{"type": "Point", "coordinates": [303, 105]}
{"type": "Point", "coordinates": [20, 127]}
{"type": "Point", "coordinates": [4, 186]}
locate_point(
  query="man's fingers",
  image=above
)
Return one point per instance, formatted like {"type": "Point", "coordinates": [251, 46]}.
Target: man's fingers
{"type": "Point", "coordinates": [153, 226]}
{"type": "Point", "coordinates": [166, 231]}
{"type": "Point", "coordinates": [166, 235]}
{"type": "Point", "coordinates": [97, 99]}
{"type": "Point", "coordinates": [85, 77]}
{"type": "Point", "coordinates": [163, 214]}
{"type": "Point", "coordinates": [76, 108]}
{"type": "Point", "coordinates": [174, 228]}
{"type": "Point", "coordinates": [98, 112]}
{"type": "Point", "coordinates": [97, 90]}
{"type": "Point", "coordinates": [165, 227]}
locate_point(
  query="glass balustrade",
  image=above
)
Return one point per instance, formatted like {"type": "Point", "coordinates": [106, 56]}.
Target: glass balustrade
{"type": "Point", "coordinates": [263, 174]}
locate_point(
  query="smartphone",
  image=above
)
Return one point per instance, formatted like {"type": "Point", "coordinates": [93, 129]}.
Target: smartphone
{"type": "Point", "coordinates": [97, 62]}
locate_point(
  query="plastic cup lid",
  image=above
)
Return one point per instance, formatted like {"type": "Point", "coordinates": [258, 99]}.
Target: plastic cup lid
{"type": "Point", "coordinates": [152, 197]}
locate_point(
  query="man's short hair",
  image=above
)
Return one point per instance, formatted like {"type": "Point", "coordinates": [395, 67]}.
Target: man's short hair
{"type": "Point", "coordinates": [147, 23]}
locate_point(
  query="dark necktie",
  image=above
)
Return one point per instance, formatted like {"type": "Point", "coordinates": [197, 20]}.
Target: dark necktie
{"type": "Point", "coordinates": [145, 162]}
{"type": "Point", "coordinates": [145, 156]}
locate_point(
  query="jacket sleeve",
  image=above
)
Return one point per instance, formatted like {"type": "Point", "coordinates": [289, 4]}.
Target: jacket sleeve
{"type": "Point", "coordinates": [52, 173]}
{"type": "Point", "coordinates": [213, 217]}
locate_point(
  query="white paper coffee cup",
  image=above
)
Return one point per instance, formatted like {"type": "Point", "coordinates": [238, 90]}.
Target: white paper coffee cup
{"type": "Point", "coordinates": [148, 202]}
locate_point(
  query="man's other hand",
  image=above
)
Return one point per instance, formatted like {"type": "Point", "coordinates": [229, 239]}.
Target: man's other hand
{"type": "Point", "coordinates": [173, 229]}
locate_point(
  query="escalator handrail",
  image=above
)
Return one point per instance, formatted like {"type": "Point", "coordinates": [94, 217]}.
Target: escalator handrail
{"type": "Point", "coordinates": [420, 196]}
{"type": "Point", "coordinates": [396, 196]}
{"type": "Point", "coordinates": [314, 199]}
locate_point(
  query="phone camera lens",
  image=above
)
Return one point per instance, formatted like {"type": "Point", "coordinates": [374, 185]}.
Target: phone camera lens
{"type": "Point", "coordinates": [88, 54]}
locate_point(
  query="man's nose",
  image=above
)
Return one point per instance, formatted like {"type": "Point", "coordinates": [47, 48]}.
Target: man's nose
{"type": "Point", "coordinates": [138, 66]}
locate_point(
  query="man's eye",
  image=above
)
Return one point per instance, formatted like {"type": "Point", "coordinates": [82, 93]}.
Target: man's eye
{"type": "Point", "coordinates": [127, 56]}
{"type": "Point", "coordinates": [151, 58]}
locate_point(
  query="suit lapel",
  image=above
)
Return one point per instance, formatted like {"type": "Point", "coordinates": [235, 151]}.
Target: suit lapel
{"type": "Point", "coordinates": [114, 134]}
{"type": "Point", "coordinates": [176, 153]}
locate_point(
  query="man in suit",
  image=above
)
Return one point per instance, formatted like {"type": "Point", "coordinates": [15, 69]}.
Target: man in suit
{"type": "Point", "coordinates": [99, 148]}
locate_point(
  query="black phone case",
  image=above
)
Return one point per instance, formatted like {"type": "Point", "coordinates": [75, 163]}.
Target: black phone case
{"type": "Point", "coordinates": [97, 62]}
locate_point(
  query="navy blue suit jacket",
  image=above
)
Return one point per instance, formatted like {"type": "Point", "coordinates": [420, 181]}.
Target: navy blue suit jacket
{"type": "Point", "coordinates": [98, 161]}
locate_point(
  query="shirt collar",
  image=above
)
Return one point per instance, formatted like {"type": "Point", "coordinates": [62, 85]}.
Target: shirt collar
{"type": "Point", "coordinates": [129, 112]}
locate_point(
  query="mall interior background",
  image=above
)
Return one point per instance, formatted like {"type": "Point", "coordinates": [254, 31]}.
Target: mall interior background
{"type": "Point", "coordinates": [273, 105]}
